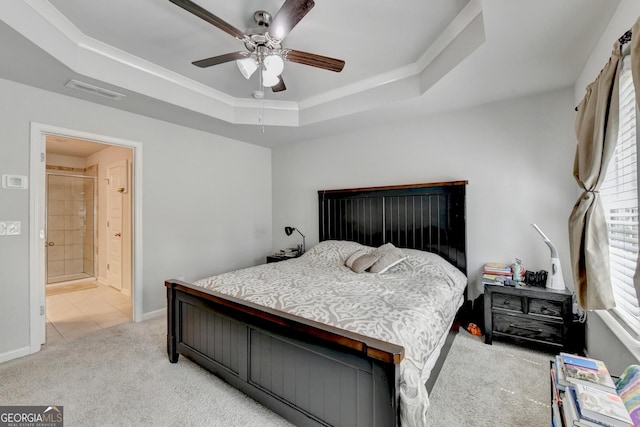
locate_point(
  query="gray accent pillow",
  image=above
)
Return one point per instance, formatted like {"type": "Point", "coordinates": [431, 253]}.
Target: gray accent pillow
{"type": "Point", "coordinates": [354, 256]}
{"type": "Point", "coordinates": [389, 256]}
{"type": "Point", "coordinates": [363, 262]}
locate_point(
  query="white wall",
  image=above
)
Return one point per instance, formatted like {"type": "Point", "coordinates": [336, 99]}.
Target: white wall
{"type": "Point", "coordinates": [66, 161]}
{"type": "Point", "coordinates": [623, 19]}
{"type": "Point", "coordinates": [517, 156]}
{"type": "Point", "coordinates": [206, 199]}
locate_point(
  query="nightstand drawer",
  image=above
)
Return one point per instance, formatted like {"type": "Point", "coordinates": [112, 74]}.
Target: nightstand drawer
{"type": "Point", "coordinates": [527, 328]}
{"type": "Point", "coordinates": [545, 307]}
{"type": "Point", "coordinates": [507, 302]}
{"type": "Point", "coordinates": [529, 315]}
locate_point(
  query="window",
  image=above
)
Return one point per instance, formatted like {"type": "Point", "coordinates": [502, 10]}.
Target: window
{"type": "Point", "coordinates": [619, 194]}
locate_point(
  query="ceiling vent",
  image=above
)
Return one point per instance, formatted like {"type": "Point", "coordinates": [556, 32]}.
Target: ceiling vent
{"type": "Point", "coordinates": [86, 87]}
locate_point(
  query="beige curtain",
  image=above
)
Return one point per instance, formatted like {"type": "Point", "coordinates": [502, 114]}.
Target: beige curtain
{"type": "Point", "coordinates": [596, 131]}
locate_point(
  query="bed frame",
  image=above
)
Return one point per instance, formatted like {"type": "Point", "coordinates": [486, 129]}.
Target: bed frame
{"type": "Point", "coordinates": [310, 373]}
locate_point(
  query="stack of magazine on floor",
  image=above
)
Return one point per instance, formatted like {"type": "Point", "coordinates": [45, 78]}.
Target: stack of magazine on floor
{"type": "Point", "coordinates": [584, 394]}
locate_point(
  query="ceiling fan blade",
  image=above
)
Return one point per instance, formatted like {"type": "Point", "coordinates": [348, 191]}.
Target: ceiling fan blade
{"type": "Point", "coordinates": [313, 60]}
{"type": "Point", "coordinates": [291, 12]}
{"type": "Point", "coordinates": [204, 14]}
{"type": "Point", "coordinates": [280, 86]}
{"type": "Point", "coordinates": [220, 59]}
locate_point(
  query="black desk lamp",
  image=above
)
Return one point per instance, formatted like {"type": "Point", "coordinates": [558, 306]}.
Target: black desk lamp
{"type": "Point", "coordinates": [289, 230]}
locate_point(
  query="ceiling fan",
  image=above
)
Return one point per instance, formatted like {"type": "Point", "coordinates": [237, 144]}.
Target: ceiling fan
{"type": "Point", "coordinates": [263, 43]}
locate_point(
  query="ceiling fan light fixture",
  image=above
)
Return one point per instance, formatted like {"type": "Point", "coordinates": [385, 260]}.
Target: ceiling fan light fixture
{"type": "Point", "coordinates": [269, 79]}
{"type": "Point", "coordinates": [247, 66]}
{"type": "Point", "coordinates": [263, 42]}
{"type": "Point", "coordinates": [274, 64]}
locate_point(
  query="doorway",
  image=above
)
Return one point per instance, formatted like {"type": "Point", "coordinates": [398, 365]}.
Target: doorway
{"type": "Point", "coordinates": [88, 202]}
{"type": "Point", "coordinates": [83, 251]}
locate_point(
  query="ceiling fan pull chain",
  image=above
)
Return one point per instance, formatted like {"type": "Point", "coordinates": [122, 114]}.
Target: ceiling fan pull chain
{"type": "Point", "coordinates": [260, 88]}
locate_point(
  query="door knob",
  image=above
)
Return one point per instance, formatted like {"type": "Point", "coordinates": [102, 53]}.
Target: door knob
{"type": "Point", "coordinates": [118, 235]}
{"type": "Point", "coordinates": [50, 243]}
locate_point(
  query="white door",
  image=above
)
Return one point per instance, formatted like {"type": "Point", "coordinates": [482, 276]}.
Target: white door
{"type": "Point", "coordinates": [116, 186]}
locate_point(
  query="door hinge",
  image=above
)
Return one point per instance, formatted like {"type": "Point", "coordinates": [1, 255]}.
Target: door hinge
{"type": "Point", "coordinates": [42, 310]}
{"type": "Point", "coordinates": [107, 266]}
{"type": "Point", "coordinates": [42, 157]}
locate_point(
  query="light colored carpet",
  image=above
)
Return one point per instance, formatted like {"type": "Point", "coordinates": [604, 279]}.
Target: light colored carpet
{"type": "Point", "coordinates": [121, 376]}
{"type": "Point", "coordinates": [71, 287]}
{"type": "Point", "coordinates": [491, 385]}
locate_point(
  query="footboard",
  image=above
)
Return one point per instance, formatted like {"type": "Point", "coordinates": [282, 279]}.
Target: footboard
{"type": "Point", "coordinates": [309, 373]}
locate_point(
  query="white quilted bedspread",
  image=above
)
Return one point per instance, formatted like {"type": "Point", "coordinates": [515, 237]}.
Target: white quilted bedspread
{"type": "Point", "coordinates": [412, 304]}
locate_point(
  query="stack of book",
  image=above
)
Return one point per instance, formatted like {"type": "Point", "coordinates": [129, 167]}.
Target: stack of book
{"type": "Point", "coordinates": [628, 386]}
{"type": "Point", "coordinates": [288, 252]}
{"type": "Point", "coordinates": [494, 273]}
{"type": "Point", "coordinates": [584, 394]}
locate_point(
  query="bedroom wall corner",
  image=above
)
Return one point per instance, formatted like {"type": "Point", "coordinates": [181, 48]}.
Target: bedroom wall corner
{"type": "Point", "coordinates": [624, 17]}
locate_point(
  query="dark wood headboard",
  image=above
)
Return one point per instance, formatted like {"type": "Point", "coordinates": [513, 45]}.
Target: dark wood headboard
{"type": "Point", "coordinates": [430, 217]}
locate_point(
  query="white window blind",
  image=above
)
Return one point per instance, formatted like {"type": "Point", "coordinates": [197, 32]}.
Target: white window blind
{"type": "Point", "coordinates": [619, 194]}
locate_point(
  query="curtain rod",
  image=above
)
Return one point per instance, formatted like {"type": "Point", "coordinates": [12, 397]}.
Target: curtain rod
{"type": "Point", "coordinates": [625, 38]}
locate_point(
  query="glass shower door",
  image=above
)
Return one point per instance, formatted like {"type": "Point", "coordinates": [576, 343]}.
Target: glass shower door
{"type": "Point", "coordinates": [70, 227]}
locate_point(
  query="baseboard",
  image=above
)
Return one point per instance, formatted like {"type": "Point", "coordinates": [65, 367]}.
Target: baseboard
{"type": "Point", "coordinates": [153, 314]}
{"type": "Point", "coordinates": [14, 354]}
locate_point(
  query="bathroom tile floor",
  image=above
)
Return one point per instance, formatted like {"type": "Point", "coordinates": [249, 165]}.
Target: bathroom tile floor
{"type": "Point", "coordinates": [74, 314]}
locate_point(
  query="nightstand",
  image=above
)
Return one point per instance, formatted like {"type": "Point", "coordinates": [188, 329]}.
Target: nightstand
{"type": "Point", "coordinates": [528, 315]}
{"type": "Point", "coordinates": [277, 258]}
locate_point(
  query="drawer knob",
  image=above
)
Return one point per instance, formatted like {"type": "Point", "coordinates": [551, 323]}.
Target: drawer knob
{"type": "Point", "coordinates": [506, 302]}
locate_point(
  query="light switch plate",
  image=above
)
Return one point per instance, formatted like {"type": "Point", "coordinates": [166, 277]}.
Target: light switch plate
{"type": "Point", "coordinates": [13, 228]}
{"type": "Point", "coordinates": [15, 181]}
{"type": "Point", "coordinates": [10, 228]}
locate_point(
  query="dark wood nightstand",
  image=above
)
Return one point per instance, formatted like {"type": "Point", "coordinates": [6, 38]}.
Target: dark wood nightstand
{"type": "Point", "coordinates": [529, 315]}
{"type": "Point", "coordinates": [277, 258]}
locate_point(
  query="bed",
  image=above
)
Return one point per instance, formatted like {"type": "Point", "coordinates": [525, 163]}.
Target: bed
{"type": "Point", "coordinates": [316, 366]}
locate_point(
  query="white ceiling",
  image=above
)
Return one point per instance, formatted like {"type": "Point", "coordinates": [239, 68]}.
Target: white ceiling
{"type": "Point", "coordinates": [160, 32]}
{"type": "Point", "coordinates": [66, 146]}
{"type": "Point", "coordinates": [402, 60]}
